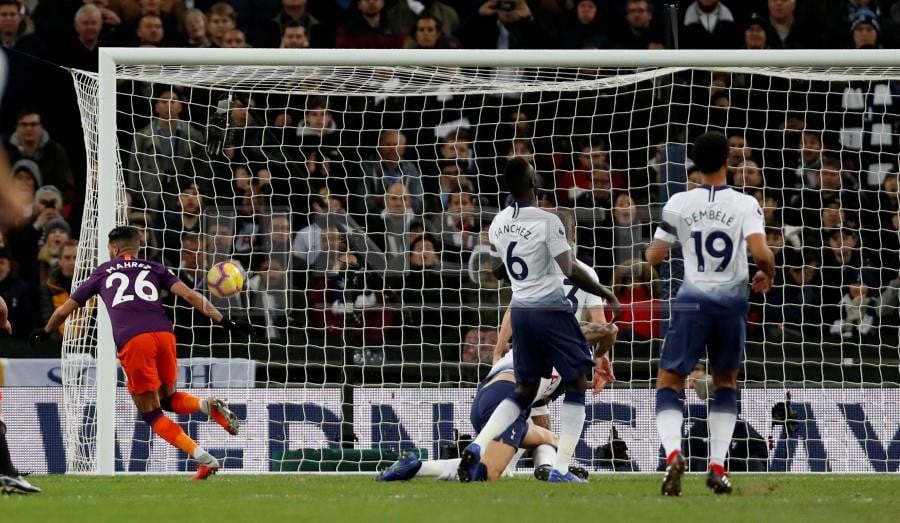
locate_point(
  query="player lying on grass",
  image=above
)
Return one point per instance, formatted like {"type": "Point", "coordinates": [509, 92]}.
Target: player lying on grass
{"type": "Point", "coordinates": [11, 481]}
{"type": "Point", "coordinates": [501, 454]}
{"type": "Point", "coordinates": [130, 287]}
{"type": "Point", "coordinates": [714, 225]}
{"type": "Point", "coordinates": [531, 243]}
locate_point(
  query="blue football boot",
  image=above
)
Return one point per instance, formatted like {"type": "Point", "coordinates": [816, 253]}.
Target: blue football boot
{"type": "Point", "coordinates": [404, 469]}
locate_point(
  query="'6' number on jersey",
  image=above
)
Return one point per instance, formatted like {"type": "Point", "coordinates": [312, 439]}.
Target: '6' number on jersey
{"type": "Point", "coordinates": [143, 289]}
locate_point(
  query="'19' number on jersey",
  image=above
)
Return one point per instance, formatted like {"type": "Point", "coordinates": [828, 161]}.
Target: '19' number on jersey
{"type": "Point", "coordinates": [512, 261]}
{"type": "Point", "coordinates": [710, 247]}
{"type": "Point", "coordinates": [144, 289]}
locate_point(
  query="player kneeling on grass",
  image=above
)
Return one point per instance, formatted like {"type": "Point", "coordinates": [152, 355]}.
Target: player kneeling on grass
{"type": "Point", "coordinates": [11, 481]}
{"type": "Point", "coordinates": [130, 287]}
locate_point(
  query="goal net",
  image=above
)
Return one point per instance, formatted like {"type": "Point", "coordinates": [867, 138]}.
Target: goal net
{"type": "Point", "coordinates": [357, 198]}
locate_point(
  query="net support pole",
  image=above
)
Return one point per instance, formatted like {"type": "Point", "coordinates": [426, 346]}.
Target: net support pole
{"type": "Point", "coordinates": [106, 220]}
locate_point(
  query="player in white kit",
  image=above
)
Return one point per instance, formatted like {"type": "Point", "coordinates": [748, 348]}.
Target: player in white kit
{"type": "Point", "coordinates": [714, 225]}
{"type": "Point", "coordinates": [531, 243]}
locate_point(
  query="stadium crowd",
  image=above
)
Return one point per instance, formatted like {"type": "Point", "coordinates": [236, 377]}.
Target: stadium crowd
{"type": "Point", "coordinates": [366, 215]}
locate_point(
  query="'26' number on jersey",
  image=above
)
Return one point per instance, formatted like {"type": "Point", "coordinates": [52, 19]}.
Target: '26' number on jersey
{"type": "Point", "coordinates": [520, 272]}
{"type": "Point", "coordinates": [144, 289]}
{"type": "Point", "coordinates": [712, 249]}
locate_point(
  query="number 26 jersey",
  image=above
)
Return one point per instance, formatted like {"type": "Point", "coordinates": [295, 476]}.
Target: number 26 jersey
{"type": "Point", "coordinates": [130, 288]}
{"type": "Point", "coordinates": [712, 224]}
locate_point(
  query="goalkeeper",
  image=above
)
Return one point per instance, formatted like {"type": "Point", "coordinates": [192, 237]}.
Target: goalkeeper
{"type": "Point", "coordinates": [130, 287]}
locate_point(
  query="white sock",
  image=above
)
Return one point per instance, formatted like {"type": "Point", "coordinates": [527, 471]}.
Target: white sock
{"type": "Point", "coordinates": [721, 429]}
{"type": "Point", "coordinates": [571, 423]}
{"type": "Point", "coordinates": [510, 470]}
{"type": "Point", "coordinates": [544, 455]}
{"type": "Point", "coordinates": [439, 468]}
{"type": "Point", "coordinates": [668, 424]}
{"type": "Point", "coordinates": [204, 406]}
{"type": "Point", "coordinates": [504, 416]}
{"type": "Point", "coordinates": [199, 451]}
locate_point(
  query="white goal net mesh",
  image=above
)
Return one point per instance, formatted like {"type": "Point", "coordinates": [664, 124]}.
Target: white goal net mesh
{"type": "Point", "coordinates": [357, 199]}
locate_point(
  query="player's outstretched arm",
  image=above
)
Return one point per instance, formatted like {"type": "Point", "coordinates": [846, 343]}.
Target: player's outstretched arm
{"type": "Point", "coordinates": [199, 302]}
{"type": "Point", "coordinates": [764, 260]}
{"type": "Point", "coordinates": [503, 337]}
{"type": "Point", "coordinates": [56, 319]}
{"type": "Point", "coordinates": [583, 279]}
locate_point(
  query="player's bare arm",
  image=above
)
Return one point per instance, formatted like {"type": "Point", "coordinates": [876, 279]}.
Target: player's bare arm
{"type": "Point", "coordinates": [197, 301]}
{"type": "Point", "coordinates": [59, 315]}
{"type": "Point", "coordinates": [504, 337]}
{"type": "Point", "coordinates": [583, 279]}
{"type": "Point", "coordinates": [4, 317]}
{"type": "Point", "coordinates": [657, 251]}
{"type": "Point", "coordinates": [765, 261]}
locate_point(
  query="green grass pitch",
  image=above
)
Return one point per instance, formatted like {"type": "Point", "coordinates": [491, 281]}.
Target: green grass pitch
{"type": "Point", "coordinates": [358, 499]}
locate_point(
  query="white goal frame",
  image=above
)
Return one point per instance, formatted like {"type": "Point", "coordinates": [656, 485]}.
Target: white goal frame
{"type": "Point", "coordinates": [110, 169]}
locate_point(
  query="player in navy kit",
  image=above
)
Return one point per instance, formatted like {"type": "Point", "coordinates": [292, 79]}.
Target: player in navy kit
{"type": "Point", "coordinates": [715, 226]}
{"type": "Point", "coordinates": [130, 287]}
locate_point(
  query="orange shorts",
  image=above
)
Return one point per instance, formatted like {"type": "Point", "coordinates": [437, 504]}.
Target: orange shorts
{"type": "Point", "coordinates": [149, 361]}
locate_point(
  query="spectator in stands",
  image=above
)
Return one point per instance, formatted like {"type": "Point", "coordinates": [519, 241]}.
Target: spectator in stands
{"type": "Point", "coordinates": [234, 39]}
{"type": "Point", "coordinates": [636, 286]}
{"type": "Point", "coordinates": [600, 195]}
{"type": "Point", "coordinates": [756, 33]}
{"type": "Point", "coordinates": [459, 226]}
{"type": "Point", "coordinates": [222, 18]}
{"type": "Point", "coordinates": [195, 29]}
{"type": "Point", "coordinates": [772, 209]}
{"type": "Point", "coordinates": [294, 13]}
{"type": "Point", "coordinates": [430, 292]}
{"type": "Point", "coordinates": [738, 150]}
{"type": "Point", "coordinates": [19, 297]}
{"type": "Point", "coordinates": [584, 29]}
{"type": "Point", "coordinates": [27, 176]}
{"type": "Point", "coordinates": [82, 52]}
{"type": "Point", "coordinates": [748, 176]}
{"type": "Point", "coordinates": [190, 270]}
{"type": "Point", "coordinates": [165, 155]}
{"type": "Point", "coordinates": [858, 309]}
{"type": "Point", "coordinates": [280, 242]}
{"type": "Point", "coordinates": [183, 219]}
{"type": "Point", "coordinates": [393, 227]}
{"type": "Point", "coordinates": [786, 30]}
{"type": "Point", "coordinates": [429, 34]}
{"type": "Point", "coordinates": [31, 141]}
{"type": "Point", "coordinates": [631, 233]}
{"type": "Point", "coordinates": [806, 171]}
{"type": "Point", "coordinates": [294, 36]}
{"type": "Point", "coordinates": [504, 25]}
{"type": "Point", "coordinates": [149, 31]}
{"type": "Point", "coordinates": [478, 345]}
{"type": "Point", "coordinates": [391, 167]}
{"type": "Point", "coordinates": [457, 146]}
{"type": "Point", "coordinates": [370, 29]}
{"type": "Point", "coordinates": [709, 24]}
{"type": "Point", "coordinates": [318, 128]}
{"type": "Point", "coordinates": [572, 185]}
{"type": "Point", "coordinates": [640, 30]}
{"type": "Point", "coordinates": [26, 78]}
{"type": "Point", "coordinates": [56, 288]}
{"type": "Point", "coordinates": [831, 185]}
{"type": "Point", "coordinates": [56, 233]}
{"type": "Point", "coordinates": [312, 241]}
{"type": "Point", "coordinates": [25, 240]}
{"type": "Point", "coordinates": [865, 29]}
{"type": "Point", "coordinates": [406, 13]}
{"type": "Point", "coordinates": [267, 297]}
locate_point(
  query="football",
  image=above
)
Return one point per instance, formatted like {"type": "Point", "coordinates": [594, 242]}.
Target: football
{"type": "Point", "coordinates": [225, 279]}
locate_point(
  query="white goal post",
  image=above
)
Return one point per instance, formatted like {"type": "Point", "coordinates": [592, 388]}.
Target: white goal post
{"type": "Point", "coordinates": [93, 449]}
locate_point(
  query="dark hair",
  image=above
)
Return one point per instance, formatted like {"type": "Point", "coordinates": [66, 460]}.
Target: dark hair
{"type": "Point", "coordinates": [292, 24]}
{"type": "Point", "coordinates": [519, 176]}
{"type": "Point", "coordinates": [125, 235]}
{"type": "Point", "coordinates": [428, 16]}
{"type": "Point", "coordinates": [316, 102]}
{"type": "Point", "coordinates": [25, 111]}
{"type": "Point", "coordinates": [831, 161]}
{"type": "Point", "coordinates": [710, 152]}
